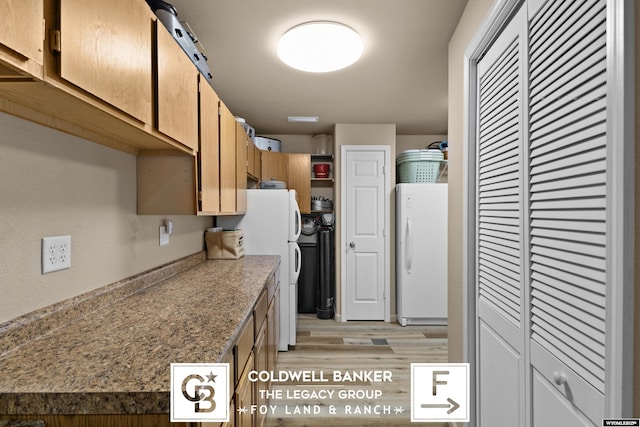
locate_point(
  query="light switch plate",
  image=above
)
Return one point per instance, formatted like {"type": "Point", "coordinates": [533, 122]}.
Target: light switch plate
{"type": "Point", "coordinates": [56, 253]}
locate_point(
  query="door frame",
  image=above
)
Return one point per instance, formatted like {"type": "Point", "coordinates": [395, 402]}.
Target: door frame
{"type": "Point", "coordinates": [386, 149]}
{"type": "Point", "coordinates": [620, 172]}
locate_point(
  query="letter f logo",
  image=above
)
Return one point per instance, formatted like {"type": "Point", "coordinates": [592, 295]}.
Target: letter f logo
{"type": "Point", "coordinates": [435, 379]}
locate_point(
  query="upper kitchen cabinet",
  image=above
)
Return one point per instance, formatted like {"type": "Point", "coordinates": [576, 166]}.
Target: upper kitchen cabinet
{"type": "Point", "coordinates": [292, 168]}
{"type": "Point", "coordinates": [227, 160]}
{"type": "Point", "coordinates": [242, 167]}
{"type": "Point", "coordinates": [275, 166]}
{"type": "Point", "coordinates": [209, 152]}
{"type": "Point", "coordinates": [253, 165]}
{"type": "Point", "coordinates": [86, 67]}
{"type": "Point", "coordinates": [106, 49]}
{"type": "Point", "coordinates": [21, 39]}
{"type": "Point", "coordinates": [212, 183]}
{"type": "Point", "coordinates": [177, 91]}
{"type": "Point", "coordinates": [299, 179]}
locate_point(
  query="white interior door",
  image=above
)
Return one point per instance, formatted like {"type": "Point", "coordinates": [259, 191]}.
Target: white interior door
{"type": "Point", "coordinates": [365, 206]}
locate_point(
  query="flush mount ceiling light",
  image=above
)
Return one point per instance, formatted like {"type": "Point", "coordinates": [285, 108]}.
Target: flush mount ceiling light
{"type": "Point", "coordinates": [303, 119]}
{"type": "Point", "coordinates": [320, 47]}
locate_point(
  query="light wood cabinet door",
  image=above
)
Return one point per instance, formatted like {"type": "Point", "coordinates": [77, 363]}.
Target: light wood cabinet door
{"type": "Point", "coordinates": [242, 146]}
{"type": "Point", "coordinates": [258, 163]}
{"type": "Point", "coordinates": [106, 50]}
{"type": "Point", "coordinates": [300, 179]}
{"type": "Point", "coordinates": [177, 91]}
{"type": "Point", "coordinates": [244, 397]}
{"type": "Point", "coordinates": [21, 36]}
{"type": "Point", "coordinates": [260, 364]}
{"type": "Point", "coordinates": [274, 166]}
{"type": "Point", "coordinates": [227, 160]}
{"type": "Point", "coordinates": [209, 152]}
{"type": "Point", "coordinates": [251, 158]}
{"type": "Point", "coordinates": [273, 330]}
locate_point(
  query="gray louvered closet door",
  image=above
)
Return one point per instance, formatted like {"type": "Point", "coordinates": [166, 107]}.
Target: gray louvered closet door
{"type": "Point", "coordinates": [499, 263]}
{"type": "Point", "coordinates": [567, 210]}
{"type": "Point", "coordinates": [541, 221]}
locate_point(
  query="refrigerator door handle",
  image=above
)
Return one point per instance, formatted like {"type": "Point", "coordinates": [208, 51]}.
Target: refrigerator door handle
{"type": "Point", "coordinates": [409, 241]}
{"type": "Point", "coordinates": [297, 263]}
{"type": "Point", "coordinates": [296, 227]}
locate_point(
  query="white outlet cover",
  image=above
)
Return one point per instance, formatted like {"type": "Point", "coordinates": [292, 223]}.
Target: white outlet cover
{"type": "Point", "coordinates": [56, 253]}
{"type": "Point", "coordinates": [164, 236]}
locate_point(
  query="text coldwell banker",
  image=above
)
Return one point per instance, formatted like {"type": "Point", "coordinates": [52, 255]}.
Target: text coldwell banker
{"type": "Point", "coordinates": [319, 376]}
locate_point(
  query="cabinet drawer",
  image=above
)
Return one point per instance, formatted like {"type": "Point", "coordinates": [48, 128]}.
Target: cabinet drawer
{"type": "Point", "coordinates": [244, 347]}
{"type": "Point", "coordinates": [260, 312]}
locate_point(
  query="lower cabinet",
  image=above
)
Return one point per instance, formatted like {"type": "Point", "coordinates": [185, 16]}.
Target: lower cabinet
{"type": "Point", "coordinates": [260, 358]}
{"type": "Point", "coordinates": [244, 397]}
{"type": "Point", "coordinates": [255, 348]}
{"type": "Point", "coordinates": [273, 330]}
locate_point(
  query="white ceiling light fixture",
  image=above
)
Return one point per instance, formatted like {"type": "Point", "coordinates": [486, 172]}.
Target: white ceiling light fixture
{"type": "Point", "coordinates": [303, 119]}
{"type": "Point", "coordinates": [320, 47]}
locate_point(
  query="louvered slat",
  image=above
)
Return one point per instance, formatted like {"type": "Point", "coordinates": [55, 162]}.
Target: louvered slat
{"type": "Point", "coordinates": [573, 37]}
{"type": "Point", "coordinates": [567, 191]}
{"type": "Point", "coordinates": [499, 259]}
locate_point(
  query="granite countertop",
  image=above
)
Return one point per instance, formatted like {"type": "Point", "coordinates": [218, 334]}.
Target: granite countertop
{"type": "Point", "coordinates": [114, 357]}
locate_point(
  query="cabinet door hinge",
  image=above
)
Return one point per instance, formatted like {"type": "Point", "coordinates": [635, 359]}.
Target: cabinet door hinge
{"type": "Point", "coordinates": [54, 41]}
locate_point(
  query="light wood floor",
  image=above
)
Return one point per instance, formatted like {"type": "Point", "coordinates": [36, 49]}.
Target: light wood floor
{"type": "Point", "coordinates": [327, 346]}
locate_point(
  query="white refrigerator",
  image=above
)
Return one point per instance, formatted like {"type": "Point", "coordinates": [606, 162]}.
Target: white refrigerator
{"type": "Point", "coordinates": [271, 226]}
{"type": "Point", "coordinates": [421, 254]}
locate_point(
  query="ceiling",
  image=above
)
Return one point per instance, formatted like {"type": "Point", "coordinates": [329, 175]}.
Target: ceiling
{"type": "Point", "coordinates": [401, 77]}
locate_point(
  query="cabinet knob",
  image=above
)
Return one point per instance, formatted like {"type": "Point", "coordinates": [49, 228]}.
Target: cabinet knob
{"type": "Point", "coordinates": [352, 245]}
{"type": "Point", "coordinates": [559, 378]}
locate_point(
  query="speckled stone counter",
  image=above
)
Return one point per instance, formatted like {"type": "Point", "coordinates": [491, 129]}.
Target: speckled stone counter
{"type": "Point", "coordinates": [109, 352]}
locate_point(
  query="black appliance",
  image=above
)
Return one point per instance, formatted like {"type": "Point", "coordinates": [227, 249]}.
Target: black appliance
{"type": "Point", "coordinates": [309, 274]}
{"type": "Point", "coordinates": [316, 284]}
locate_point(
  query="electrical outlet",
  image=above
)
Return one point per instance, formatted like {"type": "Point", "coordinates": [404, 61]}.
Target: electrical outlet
{"type": "Point", "coordinates": [56, 253]}
{"type": "Point", "coordinates": [164, 236]}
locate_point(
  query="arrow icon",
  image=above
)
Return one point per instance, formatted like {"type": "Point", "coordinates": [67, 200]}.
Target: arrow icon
{"type": "Point", "coordinates": [452, 405]}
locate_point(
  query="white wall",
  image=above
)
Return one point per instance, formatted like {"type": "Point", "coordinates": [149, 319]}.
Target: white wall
{"type": "Point", "coordinates": [294, 143]}
{"type": "Point", "coordinates": [303, 144]}
{"type": "Point", "coordinates": [414, 142]}
{"type": "Point", "coordinates": [54, 184]}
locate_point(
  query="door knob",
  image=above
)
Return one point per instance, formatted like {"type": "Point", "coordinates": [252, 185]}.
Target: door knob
{"type": "Point", "coordinates": [352, 245]}
{"type": "Point", "coordinates": [559, 378]}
